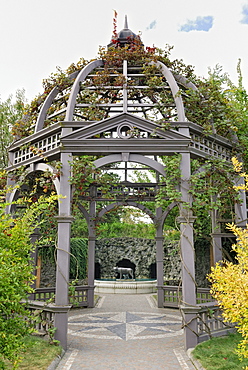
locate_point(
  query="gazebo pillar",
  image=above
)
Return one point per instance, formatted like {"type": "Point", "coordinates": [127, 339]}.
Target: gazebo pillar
{"type": "Point", "coordinates": [91, 270]}
{"type": "Point", "coordinates": [64, 220]}
{"type": "Point", "coordinates": [216, 247]}
{"type": "Point", "coordinates": [241, 207]}
{"type": "Point", "coordinates": [186, 220]}
{"type": "Point", "coordinates": [160, 259]}
{"type": "Point", "coordinates": [91, 253]}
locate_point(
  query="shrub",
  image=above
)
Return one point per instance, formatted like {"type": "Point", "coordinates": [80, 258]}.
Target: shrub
{"type": "Point", "coordinates": [230, 280]}
{"type": "Point", "coordinates": [16, 278]}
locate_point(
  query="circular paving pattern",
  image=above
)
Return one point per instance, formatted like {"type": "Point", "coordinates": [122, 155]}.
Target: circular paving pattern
{"type": "Point", "coordinates": [125, 325]}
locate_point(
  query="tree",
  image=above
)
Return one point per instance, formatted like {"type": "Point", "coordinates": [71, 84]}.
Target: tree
{"type": "Point", "coordinates": [16, 268]}
{"type": "Point", "coordinates": [230, 280]}
{"type": "Point", "coordinates": [238, 101]}
{"type": "Point", "coordinates": [10, 112]}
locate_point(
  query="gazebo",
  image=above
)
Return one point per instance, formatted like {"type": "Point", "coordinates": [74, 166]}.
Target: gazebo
{"type": "Point", "coordinates": [124, 110]}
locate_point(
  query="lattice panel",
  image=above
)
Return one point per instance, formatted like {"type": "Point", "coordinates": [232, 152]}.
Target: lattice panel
{"type": "Point", "coordinates": [209, 147]}
{"type": "Point", "coordinates": [39, 148]}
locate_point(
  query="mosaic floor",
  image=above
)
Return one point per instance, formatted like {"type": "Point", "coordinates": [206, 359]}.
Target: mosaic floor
{"type": "Point", "coordinates": [125, 325]}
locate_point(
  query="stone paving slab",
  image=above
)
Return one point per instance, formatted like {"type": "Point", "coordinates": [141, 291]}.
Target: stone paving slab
{"type": "Point", "coordinates": [125, 332]}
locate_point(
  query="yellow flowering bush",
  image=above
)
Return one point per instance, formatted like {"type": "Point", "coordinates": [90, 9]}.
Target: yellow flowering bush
{"type": "Point", "coordinates": [230, 280]}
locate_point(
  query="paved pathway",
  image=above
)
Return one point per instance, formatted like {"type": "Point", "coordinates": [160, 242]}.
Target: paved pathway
{"type": "Point", "coordinates": [125, 332]}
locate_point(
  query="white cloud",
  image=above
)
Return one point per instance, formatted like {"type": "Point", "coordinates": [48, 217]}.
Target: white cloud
{"type": "Point", "coordinates": [199, 24]}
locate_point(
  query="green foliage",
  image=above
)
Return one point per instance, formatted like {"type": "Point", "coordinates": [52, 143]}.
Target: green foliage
{"type": "Point", "coordinates": [208, 187]}
{"type": "Point", "coordinates": [16, 277]}
{"type": "Point", "coordinates": [79, 227]}
{"type": "Point", "coordinates": [169, 188]}
{"type": "Point", "coordinates": [238, 103]}
{"type": "Point", "coordinates": [209, 105]}
{"type": "Point", "coordinates": [86, 174]}
{"type": "Point", "coordinates": [119, 229]}
{"type": "Point", "coordinates": [78, 259]}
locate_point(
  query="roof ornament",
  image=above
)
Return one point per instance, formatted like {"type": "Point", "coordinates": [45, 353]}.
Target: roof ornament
{"type": "Point", "coordinates": [125, 24]}
{"type": "Point", "coordinates": [124, 37]}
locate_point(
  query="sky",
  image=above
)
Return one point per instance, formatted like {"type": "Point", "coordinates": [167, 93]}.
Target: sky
{"type": "Point", "coordinates": [37, 36]}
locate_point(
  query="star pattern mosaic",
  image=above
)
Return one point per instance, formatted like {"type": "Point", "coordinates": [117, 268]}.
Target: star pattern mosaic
{"type": "Point", "coordinates": [125, 325]}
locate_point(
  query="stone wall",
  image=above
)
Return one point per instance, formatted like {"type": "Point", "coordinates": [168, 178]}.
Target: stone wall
{"type": "Point", "coordinates": [142, 253]}
{"type": "Point", "coordinates": [48, 274]}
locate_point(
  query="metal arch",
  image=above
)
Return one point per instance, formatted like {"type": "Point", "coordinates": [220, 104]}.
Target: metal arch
{"type": "Point", "coordinates": [43, 112]}
{"type": "Point", "coordinates": [12, 197]}
{"type": "Point", "coordinates": [174, 89]}
{"type": "Point", "coordinates": [44, 167]}
{"type": "Point", "coordinates": [87, 69]}
{"type": "Point", "coordinates": [37, 167]}
{"type": "Point", "coordinates": [85, 213]}
{"type": "Point", "coordinates": [47, 103]}
{"type": "Point", "coordinates": [128, 203]}
{"type": "Point", "coordinates": [185, 82]}
{"type": "Point", "coordinates": [75, 88]}
{"type": "Point", "coordinates": [137, 158]}
{"type": "Point", "coordinates": [167, 211]}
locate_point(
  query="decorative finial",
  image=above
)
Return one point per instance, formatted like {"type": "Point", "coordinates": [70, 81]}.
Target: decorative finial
{"type": "Point", "coordinates": [125, 24]}
{"type": "Point", "coordinates": [125, 37]}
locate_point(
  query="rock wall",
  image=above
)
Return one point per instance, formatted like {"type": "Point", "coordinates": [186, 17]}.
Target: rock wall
{"type": "Point", "coordinates": [142, 254]}
{"type": "Point", "coordinates": [48, 274]}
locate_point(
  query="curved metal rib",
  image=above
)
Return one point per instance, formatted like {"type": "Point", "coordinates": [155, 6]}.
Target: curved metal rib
{"type": "Point", "coordinates": [174, 89]}
{"type": "Point", "coordinates": [75, 88]}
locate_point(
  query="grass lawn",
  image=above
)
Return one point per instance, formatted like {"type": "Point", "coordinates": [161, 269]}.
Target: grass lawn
{"type": "Point", "coordinates": [218, 353]}
{"type": "Point", "coordinates": [39, 354]}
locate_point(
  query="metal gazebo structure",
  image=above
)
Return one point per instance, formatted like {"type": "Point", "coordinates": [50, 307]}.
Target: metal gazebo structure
{"type": "Point", "coordinates": [123, 134]}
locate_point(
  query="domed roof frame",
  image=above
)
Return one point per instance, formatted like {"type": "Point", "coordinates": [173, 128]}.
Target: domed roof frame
{"type": "Point", "coordinates": [87, 70]}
